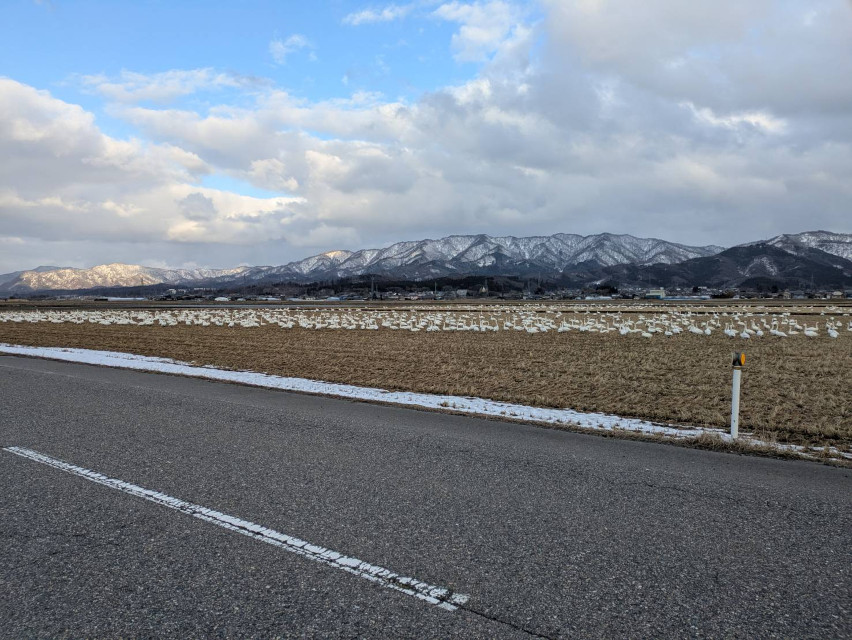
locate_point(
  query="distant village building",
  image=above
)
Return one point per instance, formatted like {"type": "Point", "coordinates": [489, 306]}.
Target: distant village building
{"type": "Point", "coordinates": [657, 294]}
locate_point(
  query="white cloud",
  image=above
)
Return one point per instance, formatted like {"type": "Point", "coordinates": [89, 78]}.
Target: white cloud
{"type": "Point", "coordinates": [280, 49]}
{"type": "Point", "coordinates": [386, 14]}
{"type": "Point", "coordinates": [272, 174]}
{"type": "Point", "coordinates": [761, 120]}
{"type": "Point", "coordinates": [162, 87]}
{"type": "Point", "coordinates": [61, 178]}
{"type": "Point", "coordinates": [484, 26]}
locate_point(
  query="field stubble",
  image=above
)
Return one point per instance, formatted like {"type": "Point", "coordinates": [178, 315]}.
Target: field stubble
{"type": "Point", "coordinates": [794, 391]}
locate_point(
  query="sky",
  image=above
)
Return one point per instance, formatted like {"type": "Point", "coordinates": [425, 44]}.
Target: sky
{"type": "Point", "coordinates": [217, 133]}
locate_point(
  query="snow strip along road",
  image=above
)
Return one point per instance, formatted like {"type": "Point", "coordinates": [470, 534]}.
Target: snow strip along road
{"type": "Point", "coordinates": [462, 404]}
{"type": "Point", "coordinates": [438, 596]}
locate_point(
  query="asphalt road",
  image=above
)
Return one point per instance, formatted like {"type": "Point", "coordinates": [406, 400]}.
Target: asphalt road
{"type": "Point", "coordinates": [550, 533]}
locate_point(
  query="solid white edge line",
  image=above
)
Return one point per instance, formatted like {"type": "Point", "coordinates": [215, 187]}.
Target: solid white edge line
{"type": "Point", "coordinates": [438, 596]}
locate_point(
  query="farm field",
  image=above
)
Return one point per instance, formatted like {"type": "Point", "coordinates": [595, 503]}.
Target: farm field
{"type": "Point", "coordinates": [661, 362]}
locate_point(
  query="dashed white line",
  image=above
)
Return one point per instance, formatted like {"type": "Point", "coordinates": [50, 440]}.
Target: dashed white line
{"type": "Point", "coordinates": [438, 596]}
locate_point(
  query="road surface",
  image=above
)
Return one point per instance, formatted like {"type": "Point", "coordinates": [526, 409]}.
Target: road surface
{"type": "Point", "coordinates": [538, 532]}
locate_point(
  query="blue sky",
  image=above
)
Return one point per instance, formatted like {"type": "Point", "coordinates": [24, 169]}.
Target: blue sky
{"type": "Point", "coordinates": [222, 133]}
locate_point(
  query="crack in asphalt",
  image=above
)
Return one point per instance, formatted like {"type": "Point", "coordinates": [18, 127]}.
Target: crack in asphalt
{"type": "Point", "coordinates": [502, 621]}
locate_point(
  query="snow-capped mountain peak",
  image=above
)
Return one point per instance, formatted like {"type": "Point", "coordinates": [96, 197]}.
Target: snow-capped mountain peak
{"type": "Point", "coordinates": [111, 275]}
{"type": "Point", "coordinates": [487, 254]}
{"type": "Point", "coordinates": [837, 244]}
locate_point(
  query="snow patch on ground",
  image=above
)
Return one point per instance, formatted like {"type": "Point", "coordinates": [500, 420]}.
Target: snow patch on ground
{"type": "Point", "coordinates": [461, 404]}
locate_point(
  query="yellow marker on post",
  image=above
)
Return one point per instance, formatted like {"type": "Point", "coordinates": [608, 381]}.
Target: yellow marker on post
{"type": "Point", "coordinates": [738, 362]}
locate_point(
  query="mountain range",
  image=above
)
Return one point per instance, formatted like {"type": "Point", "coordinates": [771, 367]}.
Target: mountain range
{"type": "Point", "coordinates": [819, 257]}
{"type": "Point", "coordinates": [483, 254]}
{"type": "Point", "coordinates": [106, 275]}
{"type": "Point", "coordinates": [753, 266]}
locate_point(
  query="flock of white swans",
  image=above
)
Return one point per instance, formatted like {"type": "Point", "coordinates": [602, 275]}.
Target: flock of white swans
{"type": "Point", "coordinates": [740, 323]}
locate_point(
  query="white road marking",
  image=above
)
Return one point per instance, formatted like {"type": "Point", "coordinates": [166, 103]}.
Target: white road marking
{"type": "Point", "coordinates": [439, 596]}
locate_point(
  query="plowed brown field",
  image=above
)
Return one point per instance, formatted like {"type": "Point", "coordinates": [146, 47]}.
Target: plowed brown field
{"type": "Point", "coordinates": [797, 391]}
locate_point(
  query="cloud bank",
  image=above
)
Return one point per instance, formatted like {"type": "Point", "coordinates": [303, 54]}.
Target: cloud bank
{"type": "Point", "coordinates": [679, 120]}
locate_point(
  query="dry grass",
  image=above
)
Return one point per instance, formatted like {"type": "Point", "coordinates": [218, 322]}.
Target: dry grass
{"type": "Point", "coordinates": [794, 391]}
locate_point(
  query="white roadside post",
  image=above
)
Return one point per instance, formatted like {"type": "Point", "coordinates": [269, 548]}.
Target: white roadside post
{"type": "Point", "coordinates": [738, 362]}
